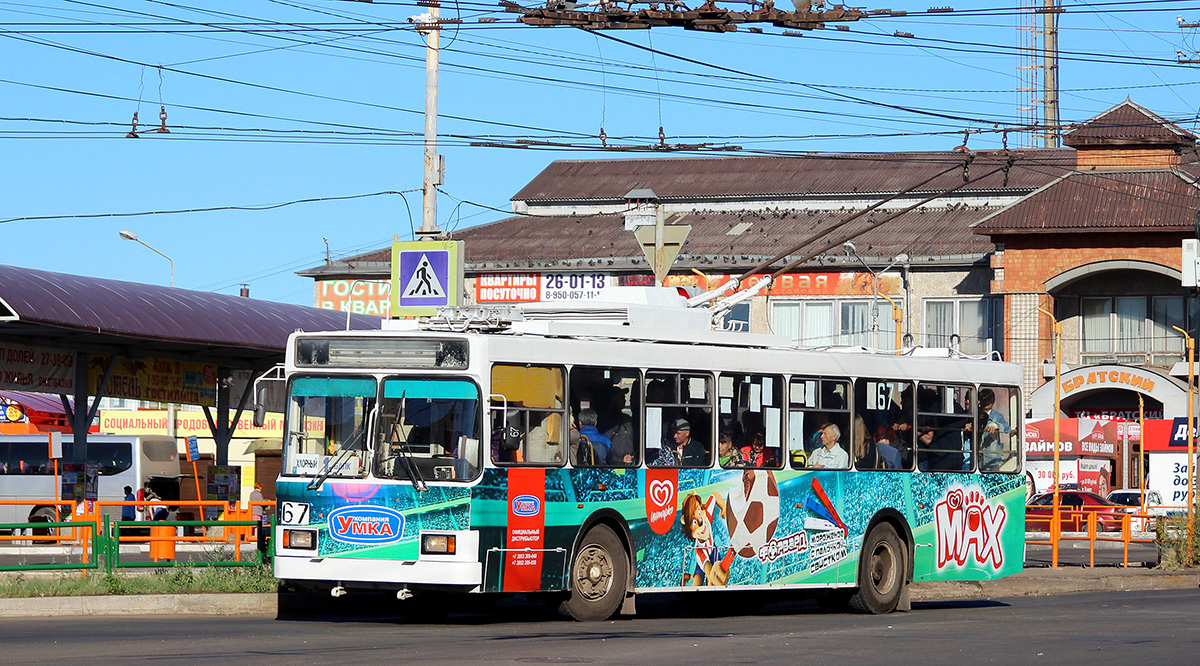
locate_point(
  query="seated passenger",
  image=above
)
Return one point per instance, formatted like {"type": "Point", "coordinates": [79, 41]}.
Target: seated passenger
{"type": "Point", "coordinates": [757, 454]}
{"type": "Point", "coordinates": [830, 455]}
{"type": "Point", "coordinates": [727, 455]}
{"type": "Point", "coordinates": [680, 450]}
{"type": "Point", "coordinates": [600, 444]}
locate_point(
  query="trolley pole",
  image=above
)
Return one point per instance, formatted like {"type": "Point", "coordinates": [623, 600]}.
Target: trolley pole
{"type": "Point", "coordinates": [1055, 519]}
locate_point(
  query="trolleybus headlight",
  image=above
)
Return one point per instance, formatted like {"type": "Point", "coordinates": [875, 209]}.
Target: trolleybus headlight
{"type": "Point", "coordinates": [303, 539]}
{"type": "Point", "coordinates": [437, 544]}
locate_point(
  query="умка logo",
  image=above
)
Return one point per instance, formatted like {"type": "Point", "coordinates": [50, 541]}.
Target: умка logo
{"type": "Point", "coordinates": [526, 505]}
{"type": "Point", "coordinates": [366, 525]}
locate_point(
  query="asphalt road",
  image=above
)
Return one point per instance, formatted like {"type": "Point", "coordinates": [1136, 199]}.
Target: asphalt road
{"type": "Point", "coordinates": [1102, 628]}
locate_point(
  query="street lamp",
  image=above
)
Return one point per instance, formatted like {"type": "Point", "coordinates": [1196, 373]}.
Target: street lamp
{"type": "Point", "coordinates": [1055, 520]}
{"type": "Point", "coordinates": [129, 235]}
{"type": "Point", "coordinates": [896, 312]}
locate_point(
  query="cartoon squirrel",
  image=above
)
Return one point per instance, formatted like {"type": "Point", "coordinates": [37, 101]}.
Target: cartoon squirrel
{"type": "Point", "coordinates": [696, 521]}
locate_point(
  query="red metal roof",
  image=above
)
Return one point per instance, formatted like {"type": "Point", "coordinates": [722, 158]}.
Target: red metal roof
{"type": "Point", "coordinates": [1162, 200]}
{"type": "Point", "coordinates": [601, 241]}
{"type": "Point", "coordinates": [1128, 124]}
{"type": "Point", "coordinates": [702, 178]}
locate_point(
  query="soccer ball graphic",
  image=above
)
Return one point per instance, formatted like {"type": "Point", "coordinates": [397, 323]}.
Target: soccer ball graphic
{"type": "Point", "coordinates": [752, 512]}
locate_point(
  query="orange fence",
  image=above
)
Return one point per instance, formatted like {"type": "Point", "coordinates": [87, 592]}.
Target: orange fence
{"type": "Point", "coordinates": [86, 525]}
{"type": "Point", "coordinates": [1071, 524]}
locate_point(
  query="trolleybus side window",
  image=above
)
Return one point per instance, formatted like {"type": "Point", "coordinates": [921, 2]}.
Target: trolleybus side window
{"type": "Point", "coordinates": [679, 415]}
{"type": "Point", "coordinates": [431, 424]}
{"type": "Point", "coordinates": [611, 395]}
{"type": "Point", "coordinates": [750, 409]}
{"type": "Point", "coordinates": [536, 415]}
{"type": "Point", "coordinates": [819, 423]}
{"type": "Point", "coordinates": [327, 426]}
{"type": "Point", "coordinates": [886, 408]}
{"type": "Point", "coordinates": [945, 428]}
{"type": "Point", "coordinates": [997, 432]}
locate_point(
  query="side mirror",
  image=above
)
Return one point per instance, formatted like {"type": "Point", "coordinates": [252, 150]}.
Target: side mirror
{"type": "Point", "coordinates": [260, 407]}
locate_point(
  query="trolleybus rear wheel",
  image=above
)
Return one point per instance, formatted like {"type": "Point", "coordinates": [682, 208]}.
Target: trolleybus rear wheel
{"type": "Point", "coordinates": [881, 572]}
{"type": "Point", "coordinates": [599, 573]}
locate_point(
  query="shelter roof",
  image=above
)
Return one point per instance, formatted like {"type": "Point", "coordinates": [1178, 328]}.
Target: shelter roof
{"type": "Point", "coordinates": [38, 402]}
{"type": "Point", "coordinates": [97, 315]}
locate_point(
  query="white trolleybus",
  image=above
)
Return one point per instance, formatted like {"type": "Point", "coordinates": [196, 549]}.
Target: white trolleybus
{"type": "Point", "coordinates": [28, 473]}
{"type": "Point", "coordinates": [601, 451]}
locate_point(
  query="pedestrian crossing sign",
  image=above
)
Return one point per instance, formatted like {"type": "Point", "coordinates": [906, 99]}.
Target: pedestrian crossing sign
{"type": "Point", "coordinates": [426, 275]}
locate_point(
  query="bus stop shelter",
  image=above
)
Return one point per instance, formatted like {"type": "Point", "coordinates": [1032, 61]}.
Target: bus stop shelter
{"type": "Point", "coordinates": [67, 334]}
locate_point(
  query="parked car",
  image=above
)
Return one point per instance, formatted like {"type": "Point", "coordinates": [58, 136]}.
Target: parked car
{"type": "Point", "coordinates": [1074, 508]}
{"type": "Point", "coordinates": [1132, 498]}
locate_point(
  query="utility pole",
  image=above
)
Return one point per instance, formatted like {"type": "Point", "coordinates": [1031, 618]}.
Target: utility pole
{"type": "Point", "coordinates": [434, 168]}
{"type": "Point", "coordinates": [1050, 56]}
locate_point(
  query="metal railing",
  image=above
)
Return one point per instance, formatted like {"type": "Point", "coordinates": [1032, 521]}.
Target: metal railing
{"type": "Point", "coordinates": [94, 538]}
{"type": "Point", "coordinates": [1092, 527]}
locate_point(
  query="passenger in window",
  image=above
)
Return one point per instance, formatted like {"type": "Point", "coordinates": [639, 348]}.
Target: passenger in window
{"type": "Point", "coordinates": [598, 443]}
{"type": "Point", "coordinates": [757, 455]}
{"type": "Point", "coordinates": [924, 443]}
{"type": "Point", "coordinates": [830, 455]}
{"type": "Point", "coordinates": [620, 430]}
{"type": "Point", "coordinates": [866, 456]}
{"type": "Point", "coordinates": [889, 455]}
{"type": "Point", "coordinates": [991, 446]}
{"type": "Point", "coordinates": [727, 454]}
{"type": "Point", "coordinates": [680, 450]}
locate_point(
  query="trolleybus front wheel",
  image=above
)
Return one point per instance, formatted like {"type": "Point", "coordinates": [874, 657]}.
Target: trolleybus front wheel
{"type": "Point", "coordinates": [881, 572]}
{"type": "Point", "coordinates": [599, 573]}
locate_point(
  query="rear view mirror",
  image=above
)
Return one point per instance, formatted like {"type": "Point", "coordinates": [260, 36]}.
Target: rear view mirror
{"type": "Point", "coordinates": [260, 407]}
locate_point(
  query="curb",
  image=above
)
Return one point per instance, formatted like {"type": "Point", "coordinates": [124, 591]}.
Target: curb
{"type": "Point", "coordinates": [142, 604]}
{"type": "Point", "coordinates": [1029, 583]}
{"type": "Point", "coordinates": [1046, 582]}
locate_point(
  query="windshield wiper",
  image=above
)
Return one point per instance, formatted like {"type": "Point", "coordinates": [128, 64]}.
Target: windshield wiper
{"type": "Point", "coordinates": [406, 455]}
{"type": "Point", "coordinates": [331, 465]}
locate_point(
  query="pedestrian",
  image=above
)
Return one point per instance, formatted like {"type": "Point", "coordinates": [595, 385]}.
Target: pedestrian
{"type": "Point", "coordinates": [129, 511]}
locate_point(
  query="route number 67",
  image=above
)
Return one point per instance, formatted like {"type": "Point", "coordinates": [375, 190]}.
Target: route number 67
{"type": "Point", "coordinates": [293, 513]}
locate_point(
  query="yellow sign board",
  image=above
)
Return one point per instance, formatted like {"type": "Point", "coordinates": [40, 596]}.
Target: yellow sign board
{"type": "Point", "coordinates": [187, 424]}
{"type": "Point", "coordinates": [156, 380]}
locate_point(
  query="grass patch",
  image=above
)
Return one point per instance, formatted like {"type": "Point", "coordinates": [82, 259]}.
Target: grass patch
{"type": "Point", "coordinates": [1175, 549]}
{"type": "Point", "coordinates": [179, 579]}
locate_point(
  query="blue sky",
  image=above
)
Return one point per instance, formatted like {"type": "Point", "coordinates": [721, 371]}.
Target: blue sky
{"type": "Point", "coordinates": [271, 102]}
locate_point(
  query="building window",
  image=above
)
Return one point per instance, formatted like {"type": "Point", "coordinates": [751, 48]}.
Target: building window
{"type": "Point", "coordinates": [1134, 329]}
{"type": "Point", "coordinates": [977, 322]}
{"type": "Point", "coordinates": [836, 322]}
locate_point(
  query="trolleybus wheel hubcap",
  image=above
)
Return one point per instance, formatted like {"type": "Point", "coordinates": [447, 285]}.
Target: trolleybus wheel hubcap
{"type": "Point", "coordinates": [595, 572]}
{"type": "Point", "coordinates": [883, 568]}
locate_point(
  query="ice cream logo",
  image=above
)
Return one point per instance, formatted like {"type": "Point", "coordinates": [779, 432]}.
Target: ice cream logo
{"type": "Point", "coordinates": [661, 493]}
{"type": "Point", "coordinates": [968, 527]}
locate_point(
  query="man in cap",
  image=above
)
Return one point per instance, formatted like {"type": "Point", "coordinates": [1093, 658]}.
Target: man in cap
{"type": "Point", "coordinates": [681, 450]}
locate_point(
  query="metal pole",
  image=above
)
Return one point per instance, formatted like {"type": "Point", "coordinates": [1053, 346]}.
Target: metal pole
{"type": "Point", "coordinates": [1055, 519]}
{"type": "Point", "coordinates": [432, 161]}
{"type": "Point", "coordinates": [1142, 451]}
{"type": "Point", "coordinates": [1191, 436]}
{"type": "Point", "coordinates": [658, 242]}
{"type": "Point", "coordinates": [897, 316]}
